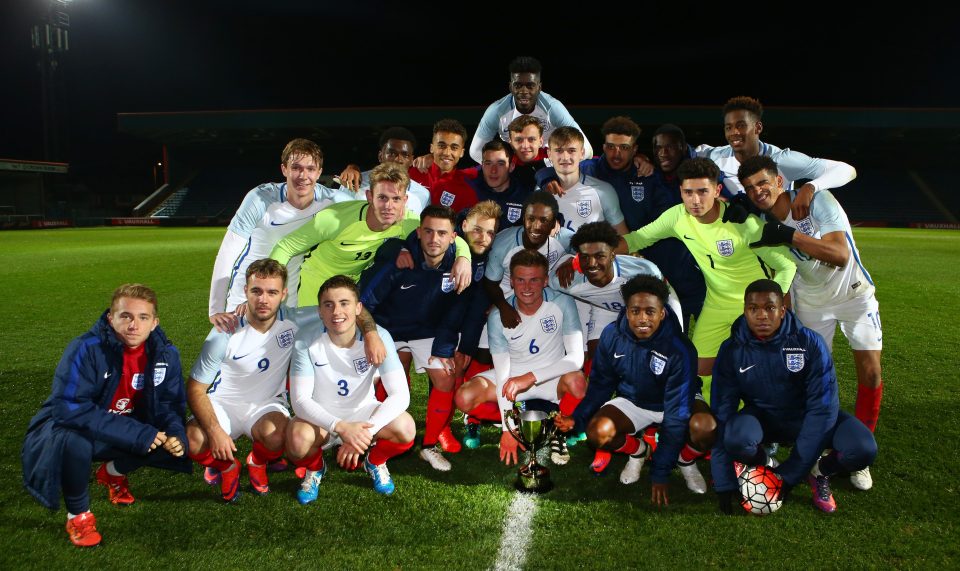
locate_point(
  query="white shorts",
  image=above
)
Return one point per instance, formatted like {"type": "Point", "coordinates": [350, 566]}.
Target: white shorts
{"type": "Point", "coordinates": [640, 417]}
{"type": "Point", "coordinates": [545, 391]}
{"type": "Point", "coordinates": [237, 419]}
{"type": "Point", "coordinates": [483, 343]}
{"type": "Point", "coordinates": [422, 350]}
{"type": "Point", "coordinates": [859, 320]}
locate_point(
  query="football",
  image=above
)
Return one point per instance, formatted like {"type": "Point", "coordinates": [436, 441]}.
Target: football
{"type": "Point", "coordinates": [760, 489]}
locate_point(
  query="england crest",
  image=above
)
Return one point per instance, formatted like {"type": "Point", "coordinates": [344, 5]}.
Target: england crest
{"type": "Point", "coordinates": [636, 190]}
{"type": "Point", "coordinates": [361, 365]}
{"type": "Point", "coordinates": [657, 364]}
{"type": "Point", "coordinates": [478, 273]}
{"type": "Point", "coordinates": [805, 226]}
{"type": "Point", "coordinates": [552, 257]}
{"type": "Point", "coordinates": [548, 324]}
{"type": "Point", "coordinates": [795, 362]}
{"type": "Point", "coordinates": [725, 248]}
{"type": "Point", "coordinates": [137, 381]}
{"type": "Point", "coordinates": [447, 284]}
{"type": "Point", "coordinates": [159, 373]}
{"type": "Point", "coordinates": [285, 339]}
{"type": "Point", "coordinates": [584, 208]}
{"type": "Point", "coordinates": [513, 213]}
{"type": "Point", "coordinates": [447, 198]}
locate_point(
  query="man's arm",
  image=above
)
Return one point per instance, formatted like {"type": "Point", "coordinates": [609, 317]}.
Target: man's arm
{"type": "Point", "coordinates": [603, 381]}
{"type": "Point", "coordinates": [561, 117]}
{"type": "Point", "coordinates": [662, 227]}
{"type": "Point", "coordinates": [221, 445]}
{"type": "Point", "coordinates": [832, 247]}
{"type": "Point", "coordinates": [301, 240]}
{"type": "Point", "coordinates": [610, 203]}
{"type": "Point", "coordinates": [224, 267]}
{"type": "Point", "coordinates": [395, 385]}
{"type": "Point", "coordinates": [724, 400]}
{"type": "Point", "coordinates": [488, 128]}
{"type": "Point", "coordinates": [677, 405]}
{"type": "Point", "coordinates": [302, 384]}
{"type": "Point", "coordinates": [823, 173]}
{"type": "Point", "coordinates": [171, 396]}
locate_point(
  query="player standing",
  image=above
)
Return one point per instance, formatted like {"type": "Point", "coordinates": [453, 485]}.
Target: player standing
{"type": "Point", "coordinates": [396, 145]}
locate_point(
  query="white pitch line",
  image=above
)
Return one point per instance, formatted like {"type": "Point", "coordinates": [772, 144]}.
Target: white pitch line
{"type": "Point", "coordinates": [516, 535]}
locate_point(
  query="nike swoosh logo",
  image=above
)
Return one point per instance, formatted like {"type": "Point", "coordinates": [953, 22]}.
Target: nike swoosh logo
{"type": "Point", "coordinates": [685, 237]}
{"type": "Point", "coordinates": [515, 338]}
{"type": "Point", "coordinates": [349, 244]}
{"type": "Point", "coordinates": [272, 223]}
{"type": "Point", "coordinates": [235, 358]}
{"type": "Point", "coordinates": [106, 375]}
{"type": "Point", "coordinates": [742, 370]}
{"type": "Point", "coordinates": [615, 356]}
{"type": "Point", "coordinates": [408, 286]}
{"type": "Point", "coordinates": [320, 364]}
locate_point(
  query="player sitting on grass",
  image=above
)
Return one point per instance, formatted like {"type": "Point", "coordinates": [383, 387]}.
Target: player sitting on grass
{"type": "Point", "coordinates": [117, 396]}
{"type": "Point", "coordinates": [332, 393]}
{"type": "Point", "coordinates": [784, 375]}
{"type": "Point", "coordinates": [646, 360]}
{"type": "Point", "coordinates": [238, 382]}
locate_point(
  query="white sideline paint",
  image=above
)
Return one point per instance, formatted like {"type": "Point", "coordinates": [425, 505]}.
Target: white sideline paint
{"type": "Point", "coordinates": [516, 532]}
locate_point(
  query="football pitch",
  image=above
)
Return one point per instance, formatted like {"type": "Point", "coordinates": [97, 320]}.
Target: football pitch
{"type": "Point", "coordinates": [58, 282]}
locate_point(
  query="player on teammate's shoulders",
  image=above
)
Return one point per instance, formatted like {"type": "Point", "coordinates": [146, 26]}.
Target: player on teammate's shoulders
{"type": "Point", "coordinates": [332, 393]}
{"type": "Point", "coordinates": [538, 358]}
{"type": "Point", "coordinates": [238, 382]}
{"type": "Point", "coordinates": [721, 250]}
{"type": "Point", "coordinates": [117, 396]}
{"type": "Point", "coordinates": [423, 313]}
{"type": "Point", "coordinates": [742, 125]}
{"type": "Point", "coordinates": [831, 285]}
{"type": "Point", "coordinates": [497, 183]}
{"type": "Point", "coordinates": [525, 98]}
{"type": "Point", "coordinates": [267, 214]}
{"type": "Point", "coordinates": [783, 374]}
{"type": "Point", "coordinates": [646, 360]}
{"type": "Point", "coordinates": [397, 145]}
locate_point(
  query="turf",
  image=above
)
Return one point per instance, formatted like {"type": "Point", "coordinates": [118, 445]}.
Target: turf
{"type": "Point", "coordinates": [59, 281]}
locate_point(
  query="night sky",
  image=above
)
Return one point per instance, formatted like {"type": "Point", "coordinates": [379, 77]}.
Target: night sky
{"type": "Point", "coordinates": [175, 55]}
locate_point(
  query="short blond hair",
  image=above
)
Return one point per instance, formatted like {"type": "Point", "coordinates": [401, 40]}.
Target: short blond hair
{"type": "Point", "coordinates": [390, 172]}
{"type": "Point", "coordinates": [134, 291]}
{"type": "Point", "coordinates": [485, 209]}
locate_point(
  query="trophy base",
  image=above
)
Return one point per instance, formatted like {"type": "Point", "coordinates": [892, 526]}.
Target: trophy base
{"type": "Point", "coordinates": [533, 479]}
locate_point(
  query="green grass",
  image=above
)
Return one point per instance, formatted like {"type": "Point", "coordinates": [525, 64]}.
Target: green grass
{"type": "Point", "coordinates": [57, 283]}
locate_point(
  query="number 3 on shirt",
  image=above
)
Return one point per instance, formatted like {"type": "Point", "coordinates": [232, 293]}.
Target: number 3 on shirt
{"type": "Point", "coordinates": [344, 389]}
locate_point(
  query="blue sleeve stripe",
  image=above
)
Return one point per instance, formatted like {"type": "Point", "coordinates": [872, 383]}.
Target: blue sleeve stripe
{"type": "Point", "coordinates": [236, 265]}
{"type": "Point", "coordinates": [73, 380]}
{"type": "Point", "coordinates": [684, 353]}
{"type": "Point", "coordinates": [853, 252]}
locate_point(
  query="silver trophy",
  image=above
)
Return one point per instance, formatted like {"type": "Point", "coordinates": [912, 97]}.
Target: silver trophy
{"type": "Point", "coordinates": [532, 429]}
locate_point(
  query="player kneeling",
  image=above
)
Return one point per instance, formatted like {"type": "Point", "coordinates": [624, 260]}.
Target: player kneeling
{"type": "Point", "coordinates": [645, 358]}
{"type": "Point", "coordinates": [332, 393]}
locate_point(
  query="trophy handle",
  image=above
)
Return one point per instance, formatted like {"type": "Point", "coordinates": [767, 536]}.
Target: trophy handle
{"type": "Point", "coordinates": [511, 421]}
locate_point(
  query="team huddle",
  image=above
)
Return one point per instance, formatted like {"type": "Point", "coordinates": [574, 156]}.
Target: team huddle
{"type": "Point", "coordinates": [672, 307]}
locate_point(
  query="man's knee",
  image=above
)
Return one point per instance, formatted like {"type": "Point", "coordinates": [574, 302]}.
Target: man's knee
{"type": "Point", "coordinates": [601, 431]}
{"type": "Point", "coordinates": [703, 430]}
{"type": "Point", "coordinates": [574, 383]}
{"type": "Point", "coordinates": [742, 436]}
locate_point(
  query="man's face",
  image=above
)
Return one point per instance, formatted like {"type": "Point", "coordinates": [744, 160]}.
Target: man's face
{"type": "Point", "coordinates": [387, 202]}
{"type": "Point", "coordinates": [763, 188]}
{"type": "Point", "coordinates": [645, 313]}
{"type": "Point", "coordinates": [764, 312]}
{"type": "Point", "coordinates": [301, 173]}
{"type": "Point", "coordinates": [447, 149]}
{"type": "Point", "coordinates": [619, 151]}
{"type": "Point", "coordinates": [699, 195]}
{"type": "Point", "coordinates": [566, 156]}
{"type": "Point", "coordinates": [668, 152]}
{"type": "Point", "coordinates": [528, 283]}
{"type": "Point", "coordinates": [339, 309]}
{"type": "Point", "coordinates": [596, 261]}
{"type": "Point", "coordinates": [132, 320]}
{"type": "Point", "coordinates": [496, 169]}
{"type": "Point", "coordinates": [527, 143]}
{"type": "Point", "coordinates": [741, 129]}
{"type": "Point", "coordinates": [525, 88]}
{"type": "Point", "coordinates": [436, 235]}
{"type": "Point", "coordinates": [538, 223]}
{"type": "Point", "coordinates": [479, 233]}
{"type": "Point", "coordinates": [397, 151]}
{"type": "Point", "coordinates": [264, 296]}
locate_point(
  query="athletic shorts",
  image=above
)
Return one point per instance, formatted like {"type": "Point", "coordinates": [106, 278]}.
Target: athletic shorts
{"type": "Point", "coordinates": [859, 320]}
{"type": "Point", "coordinates": [712, 329]}
{"type": "Point", "coordinates": [544, 391]}
{"type": "Point", "coordinates": [421, 349]}
{"type": "Point", "coordinates": [237, 419]}
{"type": "Point", "coordinates": [640, 417]}
{"type": "Point", "coordinates": [359, 414]}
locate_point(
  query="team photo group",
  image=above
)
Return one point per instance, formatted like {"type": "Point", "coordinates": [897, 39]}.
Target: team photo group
{"type": "Point", "coordinates": [669, 302]}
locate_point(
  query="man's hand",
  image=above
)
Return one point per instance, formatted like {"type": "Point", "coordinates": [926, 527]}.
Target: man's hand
{"type": "Point", "coordinates": [158, 440]}
{"type": "Point", "coordinates": [373, 348]}
{"type": "Point", "coordinates": [227, 321]}
{"type": "Point", "coordinates": [355, 434]}
{"type": "Point", "coordinates": [801, 203]}
{"type": "Point", "coordinates": [563, 423]}
{"type": "Point", "coordinates": [350, 178]}
{"type": "Point", "coordinates": [508, 449]}
{"type": "Point", "coordinates": [565, 272]}
{"type": "Point", "coordinates": [554, 188]}
{"type": "Point", "coordinates": [509, 317]}
{"type": "Point", "coordinates": [446, 363]}
{"type": "Point", "coordinates": [348, 457]}
{"type": "Point", "coordinates": [462, 362]}
{"type": "Point", "coordinates": [423, 163]}
{"type": "Point", "coordinates": [221, 445]}
{"type": "Point", "coordinates": [174, 446]}
{"type": "Point", "coordinates": [404, 260]}
{"type": "Point", "coordinates": [659, 495]}
{"type": "Point", "coordinates": [725, 501]}
{"type": "Point", "coordinates": [737, 210]}
{"type": "Point", "coordinates": [774, 234]}
{"type": "Point", "coordinates": [462, 273]}
{"type": "Point", "coordinates": [516, 385]}
{"type": "Point", "coordinates": [643, 164]}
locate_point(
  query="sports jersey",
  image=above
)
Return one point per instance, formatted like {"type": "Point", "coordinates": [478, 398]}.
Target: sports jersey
{"type": "Point", "coordinates": [721, 250]}
{"type": "Point", "coordinates": [818, 283]}
{"type": "Point", "coordinates": [264, 217]}
{"type": "Point", "coordinates": [792, 165]}
{"type": "Point", "coordinates": [446, 188]}
{"type": "Point", "coordinates": [248, 366]}
{"type": "Point", "coordinates": [510, 199]}
{"type": "Point", "coordinates": [328, 382]}
{"type": "Point", "coordinates": [128, 394]}
{"type": "Point", "coordinates": [509, 242]}
{"type": "Point", "coordinates": [418, 197]}
{"type": "Point", "coordinates": [498, 116]}
{"type": "Point", "coordinates": [589, 200]}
